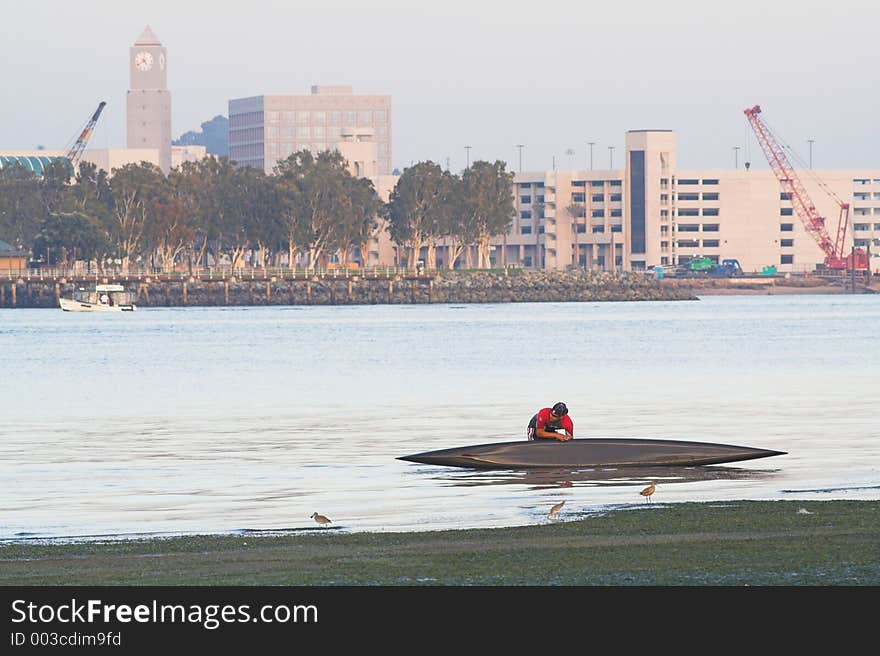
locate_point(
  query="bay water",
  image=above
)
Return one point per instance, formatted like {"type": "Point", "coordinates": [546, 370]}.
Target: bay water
{"type": "Point", "coordinates": [172, 421]}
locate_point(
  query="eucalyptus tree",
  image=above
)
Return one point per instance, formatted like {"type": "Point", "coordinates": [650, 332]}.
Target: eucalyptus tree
{"type": "Point", "coordinates": [21, 208]}
{"type": "Point", "coordinates": [488, 204]}
{"type": "Point", "coordinates": [287, 175]}
{"type": "Point", "coordinates": [55, 184]}
{"type": "Point", "coordinates": [456, 225]}
{"type": "Point", "coordinates": [320, 187]}
{"type": "Point", "coordinates": [242, 199]}
{"type": "Point", "coordinates": [68, 237]}
{"type": "Point", "coordinates": [211, 181]}
{"type": "Point", "coordinates": [92, 194]}
{"type": "Point", "coordinates": [417, 208]}
{"type": "Point", "coordinates": [265, 218]}
{"type": "Point", "coordinates": [134, 188]}
{"type": "Point", "coordinates": [171, 230]}
{"type": "Point", "coordinates": [360, 220]}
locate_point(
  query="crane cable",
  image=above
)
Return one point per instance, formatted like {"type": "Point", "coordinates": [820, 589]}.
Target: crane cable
{"type": "Point", "coordinates": [804, 165]}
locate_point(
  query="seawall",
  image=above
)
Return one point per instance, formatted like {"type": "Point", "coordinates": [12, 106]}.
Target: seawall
{"type": "Point", "coordinates": [445, 287]}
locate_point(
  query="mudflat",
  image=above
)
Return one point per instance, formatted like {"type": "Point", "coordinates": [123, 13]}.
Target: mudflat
{"type": "Point", "coordinates": [731, 543]}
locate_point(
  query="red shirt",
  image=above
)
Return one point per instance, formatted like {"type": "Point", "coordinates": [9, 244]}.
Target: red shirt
{"type": "Point", "coordinates": [546, 422]}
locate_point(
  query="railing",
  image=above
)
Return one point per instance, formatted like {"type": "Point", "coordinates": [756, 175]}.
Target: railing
{"type": "Point", "coordinates": [50, 274]}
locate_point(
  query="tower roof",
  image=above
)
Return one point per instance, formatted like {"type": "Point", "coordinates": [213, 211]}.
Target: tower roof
{"type": "Point", "coordinates": [148, 38]}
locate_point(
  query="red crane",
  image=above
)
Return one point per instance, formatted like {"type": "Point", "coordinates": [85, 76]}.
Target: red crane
{"type": "Point", "coordinates": [800, 200]}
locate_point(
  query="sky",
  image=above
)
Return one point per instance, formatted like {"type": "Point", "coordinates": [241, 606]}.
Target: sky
{"type": "Point", "coordinates": [549, 75]}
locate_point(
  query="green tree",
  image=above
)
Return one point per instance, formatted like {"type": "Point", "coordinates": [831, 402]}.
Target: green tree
{"type": "Point", "coordinates": [488, 204]}
{"type": "Point", "coordinates": [55, 184]}
{"type": "Point", "coordinates": [134, 188]}
{"type": "Point", "coordinates": [68, 237]}
{"type": "Point", "coordinates": [537, 215]}
{"type": "Point", "coordinates": [359, 221]}
{"type": "Point", "coordinates": [21, 208]}
{"type": "Point", "coordinates": [417, 208]}
{"type": "Point", "coordinates": [320, 183]}
{"type": "Point", "coordinates": [576, 211]}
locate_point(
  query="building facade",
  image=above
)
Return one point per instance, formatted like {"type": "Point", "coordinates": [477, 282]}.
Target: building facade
{"type": "Point", "coordinates": [265, 129]}
{"type": "Point", "coordinates": [108, 159]}
{"type": "Point", "coordinates": [653, 213]}
{"type": "Point", "coordinates": [148, 101]}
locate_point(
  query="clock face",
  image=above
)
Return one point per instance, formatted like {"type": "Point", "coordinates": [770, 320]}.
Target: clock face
{"type": "Point", "coordinates": [143, 60]}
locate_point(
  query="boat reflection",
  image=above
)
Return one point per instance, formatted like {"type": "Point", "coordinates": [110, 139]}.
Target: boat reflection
{"type": "Point", "coordinates": [541, 479]}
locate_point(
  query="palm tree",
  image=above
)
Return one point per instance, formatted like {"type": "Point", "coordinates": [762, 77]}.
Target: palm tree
{"type": "Point", "coordinates": [537, 215]}
{"type": "Point", "coordinates": [576, 211]}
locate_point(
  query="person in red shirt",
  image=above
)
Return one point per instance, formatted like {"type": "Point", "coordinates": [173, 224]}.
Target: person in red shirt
{"type": "Point", "coordinates": [545, 424]}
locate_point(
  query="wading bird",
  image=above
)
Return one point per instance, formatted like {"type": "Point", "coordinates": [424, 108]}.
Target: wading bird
{"type": "Point", "coordinates": [648, 491]}
{"type": "Point", "coordinates": [555, 509]}
{"type": "Point", "coordinates": [320, 519]}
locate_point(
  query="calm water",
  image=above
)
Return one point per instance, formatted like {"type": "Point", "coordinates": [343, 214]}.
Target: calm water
{"type": "Point", "coordinates": [221, 420]}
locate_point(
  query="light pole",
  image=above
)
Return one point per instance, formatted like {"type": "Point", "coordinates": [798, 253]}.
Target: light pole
{"type": "Point", "coordinates": [520, 147]}
{"type": "Point", "coordinates": [468, 151]}
{"type": "Point", "coordinates": [736, 157]}
{"type": "Point", "coordinates": [610, 157]}
{"type": "Point", "coordinates": [810, 141]}
{"type": "Point", "coordinates": [591, 144]}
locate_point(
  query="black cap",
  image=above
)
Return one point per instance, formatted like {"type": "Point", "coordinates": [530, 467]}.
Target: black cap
{"type": "Point", "coordinates": [560, 409]}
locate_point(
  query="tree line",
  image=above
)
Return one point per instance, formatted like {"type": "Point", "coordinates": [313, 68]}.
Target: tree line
{"type": "Point", "coordinates": [308, 210]}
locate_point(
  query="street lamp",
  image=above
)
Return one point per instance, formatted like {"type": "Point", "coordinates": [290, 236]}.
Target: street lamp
{"type": "Point", "coordinates": [468, 151]}
{"type": "Point", "coordinates": [610, 157]}
{"type": "Point", "coordinates": [520, 146]}
{"type": "Point", "coordinates": [591, 144]}
{"type": "Point", "coordinates": [736, 157]}
{"type": "Point", "coordinates": [810, 141]}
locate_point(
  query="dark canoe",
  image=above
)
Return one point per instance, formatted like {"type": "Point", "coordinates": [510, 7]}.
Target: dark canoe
{"type": "Point", "coordinates": [590, 452]}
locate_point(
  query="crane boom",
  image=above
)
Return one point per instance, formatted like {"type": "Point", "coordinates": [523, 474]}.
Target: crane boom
{"type": "Point", "coordinates": [800, 199]}
{"type": "Point", "coordinates": [76, 150]}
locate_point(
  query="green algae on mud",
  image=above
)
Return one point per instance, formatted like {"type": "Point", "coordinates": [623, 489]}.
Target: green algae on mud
{"type": "Point", "coordinates": [691, 544]}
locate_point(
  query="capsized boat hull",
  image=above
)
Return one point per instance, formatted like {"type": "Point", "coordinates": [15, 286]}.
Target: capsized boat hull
{"type": "Point", "coordinates": [590, 452]}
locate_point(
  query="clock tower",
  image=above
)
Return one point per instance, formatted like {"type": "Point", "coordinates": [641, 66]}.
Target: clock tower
{"type": "Point", "coordinates": [148, 99]}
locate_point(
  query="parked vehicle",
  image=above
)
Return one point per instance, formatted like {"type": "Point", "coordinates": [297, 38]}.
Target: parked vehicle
{"type": "Point", "coordinates": [702, 267]}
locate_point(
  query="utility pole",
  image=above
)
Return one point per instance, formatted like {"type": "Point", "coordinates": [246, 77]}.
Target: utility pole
{"type": "Point", "coordinates": [591, 144]}
{"type": "Point", "coordinates": [468, 151]}
{"type": "Point", "coordinates": [810, 141]}
{"type": "Point", "coordinates": [520, 146]}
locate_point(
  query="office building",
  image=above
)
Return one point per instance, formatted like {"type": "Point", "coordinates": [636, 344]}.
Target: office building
{"type": "Point", "coordinates": [268, 128]}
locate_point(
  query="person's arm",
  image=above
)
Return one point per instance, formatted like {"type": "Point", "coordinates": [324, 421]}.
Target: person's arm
{"type": "Point", "coordinates": [541, 431]}
{"type": "Point", "coordinates": [562, 437]}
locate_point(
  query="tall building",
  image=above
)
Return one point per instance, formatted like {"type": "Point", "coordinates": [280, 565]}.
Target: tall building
{"type": "Point", "coordinates": [651, 212]}
{"type": "Point", "coordinates": [265, 129]}
{"type": "Point", "coordinates": [148, 115]}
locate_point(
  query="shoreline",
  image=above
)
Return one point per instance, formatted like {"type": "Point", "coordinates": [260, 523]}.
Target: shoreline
{"type": "Point", "coordinates": [489, 286]}
{"type": "Point", "coordinates": [687, 544]}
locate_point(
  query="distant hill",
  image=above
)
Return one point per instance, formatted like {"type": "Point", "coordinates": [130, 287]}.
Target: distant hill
{"type": "Point", "coordinates": [214, 136]}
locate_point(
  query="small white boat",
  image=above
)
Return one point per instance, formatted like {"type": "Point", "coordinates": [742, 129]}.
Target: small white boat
{"type": "Point", "coordinates": [102, 298]}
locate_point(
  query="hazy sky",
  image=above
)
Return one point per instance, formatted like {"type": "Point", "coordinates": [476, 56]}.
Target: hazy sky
{"type": "Point", "coordinates": [548, 74]}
